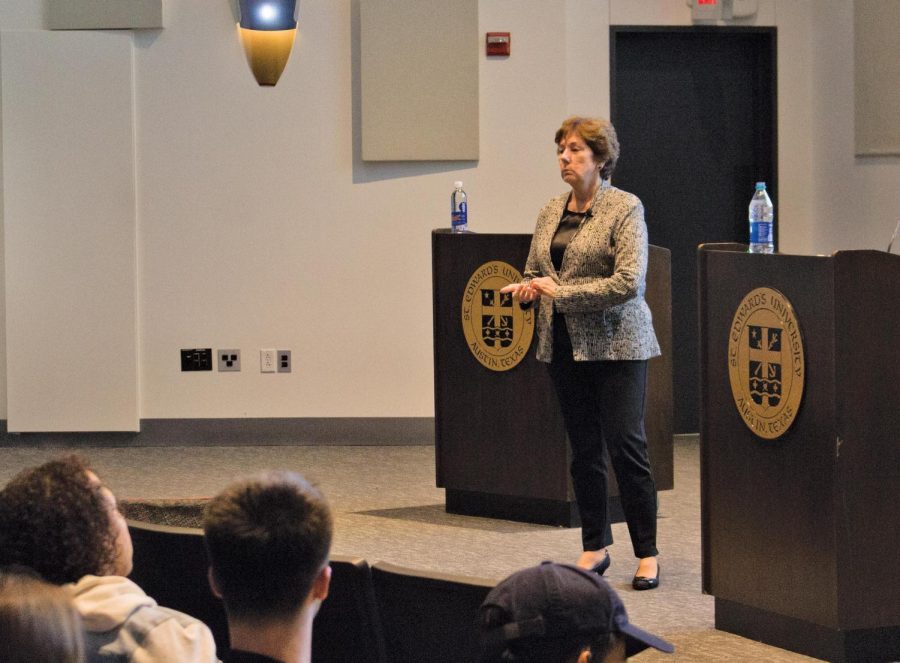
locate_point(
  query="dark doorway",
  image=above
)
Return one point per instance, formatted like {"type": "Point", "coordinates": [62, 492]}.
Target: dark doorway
{"type": "Point", "coordinates": [694, 108]}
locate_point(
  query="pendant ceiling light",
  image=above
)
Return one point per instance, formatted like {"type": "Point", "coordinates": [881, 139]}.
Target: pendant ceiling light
{"type": "Point", "coordinates": [267, 30]}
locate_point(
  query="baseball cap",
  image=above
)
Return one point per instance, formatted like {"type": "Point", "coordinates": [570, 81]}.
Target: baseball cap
{"type": "Point", "coordinates": [559, 601]}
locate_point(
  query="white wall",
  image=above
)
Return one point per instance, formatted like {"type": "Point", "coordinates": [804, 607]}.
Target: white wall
{"type": "Point", "coordinates": [259, 226]}
{"type": "Point", "coordinates": [857, 200]}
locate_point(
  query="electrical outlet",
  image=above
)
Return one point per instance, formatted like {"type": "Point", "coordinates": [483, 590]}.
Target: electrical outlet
{"type": "Point", "coordinates": [196, 359]}
{"type": "Point", "coordinates": [284, 361]}
{"type": "Point", "coordinates": [267, 361]}
{"type": "Point", "coordinates": [229, 360]}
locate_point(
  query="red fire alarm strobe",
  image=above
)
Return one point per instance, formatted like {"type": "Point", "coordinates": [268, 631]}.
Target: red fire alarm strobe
{"type": "Point", "coordinates": [497, 43]}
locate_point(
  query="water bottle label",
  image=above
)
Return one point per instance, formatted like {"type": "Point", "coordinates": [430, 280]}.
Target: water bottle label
{"type": "Point", "coordinates": [761, 232]}
{"type": "Point", "coordinates": [458, 218]}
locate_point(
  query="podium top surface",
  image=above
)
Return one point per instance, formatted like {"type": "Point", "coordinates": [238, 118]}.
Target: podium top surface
{"type": "Point", "coordinates": [448, 231]}
{"type": "Point", "coordinates": [732, 247]}
{"type": "Point", "coordinates": [469, 233]}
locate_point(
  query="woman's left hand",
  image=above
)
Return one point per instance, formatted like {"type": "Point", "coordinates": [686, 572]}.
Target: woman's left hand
{"type": "Point", "coordinates": [545, 286]}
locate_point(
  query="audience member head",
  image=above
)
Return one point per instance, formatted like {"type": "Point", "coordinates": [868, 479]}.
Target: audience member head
{"type": "Point", "coordinates": [268, 538]}
{"type": "Point", "coordinates": [61, 521]}
{"type": "Point", "coordinates": [37, 621]}
{"type": "Point", "coordinates": [556, 613]}
{"type": "Point", "coordinates": [600, 136]}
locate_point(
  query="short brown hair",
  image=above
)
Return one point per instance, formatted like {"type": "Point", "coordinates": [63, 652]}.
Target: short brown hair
{"type": "Point", "coordinates": [600, 136]}
{"type": "Point", "coordinates": [268, 537]}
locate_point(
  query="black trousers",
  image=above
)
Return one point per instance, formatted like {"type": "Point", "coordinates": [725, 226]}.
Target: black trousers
{"type": "Point", "coordinates": [602, 404]}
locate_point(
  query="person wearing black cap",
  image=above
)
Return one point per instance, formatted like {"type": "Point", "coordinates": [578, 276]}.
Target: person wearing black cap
{"type": "Point", "coordinates": [558, 613]}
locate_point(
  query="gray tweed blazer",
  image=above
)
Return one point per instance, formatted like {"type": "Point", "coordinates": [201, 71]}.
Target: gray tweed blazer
{"type": "Point", "coordinates": [602, 280]}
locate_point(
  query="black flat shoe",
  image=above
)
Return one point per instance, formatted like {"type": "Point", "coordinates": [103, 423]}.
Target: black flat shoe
{"type": "Point", "coordinates": [600, 567]}
{"type": "Point", "coordinates": [641, 583]}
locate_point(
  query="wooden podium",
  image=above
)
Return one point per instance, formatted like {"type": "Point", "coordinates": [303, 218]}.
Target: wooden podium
{"type": "Point", "coordinates": [801, 532]}
{"type": "Point", "coordinates": [500, 444]}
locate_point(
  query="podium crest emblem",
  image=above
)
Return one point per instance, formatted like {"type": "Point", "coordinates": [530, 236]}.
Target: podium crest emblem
{"type": "Point", "coordinates": [766, 365]}
{"type": "Point", "coordinates": [498, 331]}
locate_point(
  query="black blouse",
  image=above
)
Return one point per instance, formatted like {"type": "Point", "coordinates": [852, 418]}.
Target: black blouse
{"type": "Point", "coordinates": [569, 225]}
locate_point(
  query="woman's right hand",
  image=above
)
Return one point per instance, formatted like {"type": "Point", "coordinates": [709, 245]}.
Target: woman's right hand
{"type": "Point", "coordinates": [524, 292]}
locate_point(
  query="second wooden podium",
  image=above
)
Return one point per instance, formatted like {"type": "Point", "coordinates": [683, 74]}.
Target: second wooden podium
{"type": "Point", "coordinates": [800, 461]}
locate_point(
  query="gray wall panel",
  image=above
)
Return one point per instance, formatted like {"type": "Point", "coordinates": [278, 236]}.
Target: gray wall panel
{"type": "Point", "coordinates": [419, 74]}
{"type": "Point", "coordinates": [877, 76]}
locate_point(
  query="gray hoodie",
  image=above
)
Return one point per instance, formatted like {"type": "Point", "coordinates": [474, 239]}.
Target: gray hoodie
{"type": "Point", "coordinates": [124, 625]}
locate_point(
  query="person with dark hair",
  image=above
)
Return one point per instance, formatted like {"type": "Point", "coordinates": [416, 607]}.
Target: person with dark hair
{"type": "Point", "coordinates": [557, 613]}
{"type": "Point", "coordinates": [38, 621]}
{"type": "Point", "coordinates": [268, 539]}
{"type": "Point", "coordinates": [61, 521]}
{"type": "Point", "coordinates": [587, 267]}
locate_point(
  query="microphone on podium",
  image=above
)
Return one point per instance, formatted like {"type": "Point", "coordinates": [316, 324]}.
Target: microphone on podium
{"type": "Point", "coordinates": [896, 234]}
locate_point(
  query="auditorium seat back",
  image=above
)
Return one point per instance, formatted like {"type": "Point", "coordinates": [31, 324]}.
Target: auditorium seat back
{"type": "Point", "coordinates": [428, 616]}
{"type": "Point", "coordinates": [379, 614]}
{"type": "Point", "coordinates": [170, 564]}
{"type": "Point", "coordinates": [348, 627]}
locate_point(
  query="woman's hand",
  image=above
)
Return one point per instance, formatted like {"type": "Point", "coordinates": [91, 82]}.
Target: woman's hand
{"type": "Point", "coordinates": [543, 285]}
{"type": "Point", "coordinates": [524, 292]}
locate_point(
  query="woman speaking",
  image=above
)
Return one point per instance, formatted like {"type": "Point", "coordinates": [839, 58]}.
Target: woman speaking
{"type": "Point", "coordinates": [587, 267]}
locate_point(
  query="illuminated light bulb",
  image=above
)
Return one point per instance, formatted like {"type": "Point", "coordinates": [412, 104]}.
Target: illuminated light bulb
{"type": "Point", "coordinates": [267, 13]}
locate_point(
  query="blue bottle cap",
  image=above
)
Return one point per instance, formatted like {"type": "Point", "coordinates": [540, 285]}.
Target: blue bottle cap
{"type": "Point", "coordinates": [760, 185]}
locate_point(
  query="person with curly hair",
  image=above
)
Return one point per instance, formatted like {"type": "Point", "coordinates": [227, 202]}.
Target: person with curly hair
{"type": "Point", "coordinates": [61, 521]}
{"type": "Point", "coordinates": [38, 621]}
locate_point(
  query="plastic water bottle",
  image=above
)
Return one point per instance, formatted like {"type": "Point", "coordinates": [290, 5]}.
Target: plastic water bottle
{"type": "Point", "coordinates": [458, 209]}
{"type": "Point", "coordinates": [762, 220]}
